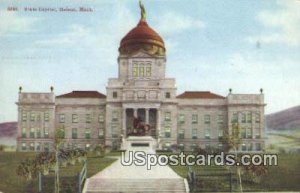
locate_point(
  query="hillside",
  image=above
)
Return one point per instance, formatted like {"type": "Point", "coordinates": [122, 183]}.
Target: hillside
{"type": "Point", "coordinates": [8, 130]}
{"type": "Point", "coordinates": [284, 120]}
{"type": "Point", "coordinates": [8, 133]}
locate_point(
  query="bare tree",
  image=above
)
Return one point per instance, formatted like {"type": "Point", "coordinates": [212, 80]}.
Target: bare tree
{"type": "Point", "coordinates": [232, 142]}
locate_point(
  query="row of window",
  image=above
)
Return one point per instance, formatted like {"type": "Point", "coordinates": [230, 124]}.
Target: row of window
{"type": "Point", "coordinates": [245, 117]}
{"type": "Point", "coordinates": [141, 70]}
{"type": "Point", "coordinates": [35, 116]}
{"type": "Point", "coordinates": [37, 146]}
{"type": "Point", "coordinates": [36, 133]}
{"type": "Point", "coordinates": [87, 133]}
{"type": "Point", "coordinates": [246, 133]}
{"type": "Point", "coordinates": [244, 147]}
{"type": "Point", "coordinates": [75, 118]}
{"type": "Point", "coordinates": [206, 118]}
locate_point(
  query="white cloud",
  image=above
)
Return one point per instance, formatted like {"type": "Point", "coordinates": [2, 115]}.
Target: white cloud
{"type": "Point", "coordinates": [283, 23]}
{"type": "Point", "coordinates": [172, 22]}
{"type": "Point", "coordinates": [10, 22]}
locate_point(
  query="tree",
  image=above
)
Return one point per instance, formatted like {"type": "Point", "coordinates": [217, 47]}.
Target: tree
{"type": "Point", "coordinates": [58, 140]}
{"type": "Point", "coordinates": [232, 142]}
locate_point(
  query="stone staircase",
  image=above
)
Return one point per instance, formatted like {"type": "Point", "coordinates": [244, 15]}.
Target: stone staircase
{"type": "Point", "coordinates": [136, 185]}
{"type": "Point", "coordinates": [118, 178]}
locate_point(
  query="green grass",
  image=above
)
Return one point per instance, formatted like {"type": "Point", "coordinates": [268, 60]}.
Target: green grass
{"type": "Point", "coordinates": [11, 183]}
{"type": "Point", "coordinates": [284, 177]}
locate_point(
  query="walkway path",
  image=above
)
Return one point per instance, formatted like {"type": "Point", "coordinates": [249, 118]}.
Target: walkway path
{"type": "Point", "coordinates": [119, 178]}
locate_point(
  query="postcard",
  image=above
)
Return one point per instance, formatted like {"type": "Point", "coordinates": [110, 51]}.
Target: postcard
{"type": "Point", "coordinates": [149, 96]}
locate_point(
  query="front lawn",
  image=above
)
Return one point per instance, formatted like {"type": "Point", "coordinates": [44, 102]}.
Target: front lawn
{"type": "Point", "coordinates": [11, 183]}
{"type": "Point", "coordinates": [284, 177]}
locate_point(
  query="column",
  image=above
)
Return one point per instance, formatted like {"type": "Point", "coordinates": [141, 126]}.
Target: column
{"type": "Point", "coordinates": [147, 115]}
{"type": "Point", "coordinates": [135, 112]}
{"type": "Point", "coordinates": [158, 132]}
{"type": "Point", "coordinates": [124, 123]}
{"type": "Point", "coordinates": [158, 120]}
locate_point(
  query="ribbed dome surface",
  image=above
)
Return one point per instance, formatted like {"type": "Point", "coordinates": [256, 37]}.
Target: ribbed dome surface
{"type": "Point", "coordinates": [142, 37]}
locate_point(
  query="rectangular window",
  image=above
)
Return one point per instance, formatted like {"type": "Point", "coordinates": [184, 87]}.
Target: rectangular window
{"type": "Point", "coordinates": [38, 116]}
{"type": "Point", "coordinates": [32, 117]}
{"type": "Point", "coordinates": [181, 118]}
{"type": "Point", "coordinates": [167, 95]}
{"type": "Point", "coordinates": [244, 147]}
{"type": "Point", "coordinates": [74, 133]}
{"type": "Point", "coordinates": [243, 118]}
{"type": "Point", "coordinates": [46, 132]}
{"type": "Point", "coordinates": [249, 117]}
{"type": "Point", "coordinates": [220, 132]}
{"type": "Point", "coordinates": [194, 147]}
{"type": "Point", "coordinates": [88, 133]}
{"type": "Point", "coordinates": [74, 118]}
{"type": "Point", "coordinates": [167, 132]}
{"type": "Point", "coordinates": [101, 134]}
{"type": "Point", "coordinates": [207, 146]}
{"type": "Point", "coordinates": [24, 116]}
{"type": "Point", "coordinates": [243, 133]}
{"type": "Point", "coordinates": [46, 147]}
{"type": "Point", "coordinates": [167, 116]}
{"type": "Point", "coordinates": [135, 70]}
{"type": "Point", "coordinates": [148, 70]}
{"type": "Point", "coordinates": [115, 94]}
{"type": "Point", "coordinates": [24, 133]}
{"type": "Point", "coordinates": [87, 147]}
{"type": "Point", "coordinates": [115, 115]}
{"type": "Point", "coordinates": [194, 134]}
{"type": "Point", "coordinates": [258, 147]}
{"type": "Point", "coordinates": [114, 132]}
{"type": "Point", "coordinates": [88, 118]}
{"type": "Point", "coordinates": [249, 146]}
{"type": "Point", "coordinates": [38, 147]}
{"type": "Point", "coordinates": [46, 116]}
{"type": "Point", "coordinates": [207, 119]}
{"type": "Point", "coordinates": [220, 146]}
{"type": "Point", "coordinates": [194, 118]}
{"type": "Point", "coordinates": [234, 118]}
{"type": "Point", "coordinates": [181, 147]}
{"type": "Point", "coordinates": [257, 133]}
{"type": "Point", "coordinates": [257, 117]}
{"type": "Point", "coordinates": [181, 134]}
{"type": "Point", "coordinates": [220, 119]}
{"type": "Point", "coordinates": [32, 133]}
{"type": "Point", "coordinates": [207, 133]}
{"type": "Point", "coordinates": [38, 132]}
{"type": "Point", "coordinates": [141, 70]}
{"type": "Point", "coordinates": [61, 118]}
{"type": "Point", "coordinates": [101, 118]}
{"type": "Point", "coordinates": [31, 147]}
{"type": "Point", "coordinates": [249, 133]}
{"type": "Point", "coordinates": [24, 146]}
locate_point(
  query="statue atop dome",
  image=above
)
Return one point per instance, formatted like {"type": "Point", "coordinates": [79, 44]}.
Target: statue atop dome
{"type": "Point", "coordinates": [142, 37]}
{"type": "Point", "coordinates": [143, 11]}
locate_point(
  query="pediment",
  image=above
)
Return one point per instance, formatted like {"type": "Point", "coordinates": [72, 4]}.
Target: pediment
{"type": "Point", "coordinates": [141, 54]}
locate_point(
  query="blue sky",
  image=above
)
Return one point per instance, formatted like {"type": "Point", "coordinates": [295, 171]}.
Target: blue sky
{"type": "Point", "coordinates": [211, 45]}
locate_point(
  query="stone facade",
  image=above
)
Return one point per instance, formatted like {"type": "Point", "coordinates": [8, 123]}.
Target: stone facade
{"type": "Point", "coordinates": [140, 92]}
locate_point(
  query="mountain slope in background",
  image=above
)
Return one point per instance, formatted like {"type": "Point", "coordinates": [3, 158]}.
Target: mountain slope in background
{"type": "Point", "coordinates": [8, 130]}
{"type": "Point", "coordinates": [8, 133]}
{"type": "Point", "coordinates": [284, 120]}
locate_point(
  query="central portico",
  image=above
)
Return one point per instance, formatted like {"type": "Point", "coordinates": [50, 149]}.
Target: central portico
{"type": "Point", "coordinates": [138, 96]}
{"type": "Point", "coordinates": [147, 115]}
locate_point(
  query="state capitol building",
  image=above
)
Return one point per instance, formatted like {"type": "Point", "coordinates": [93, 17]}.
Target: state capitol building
{"type": "Point", "coordinates": [140, 101]}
